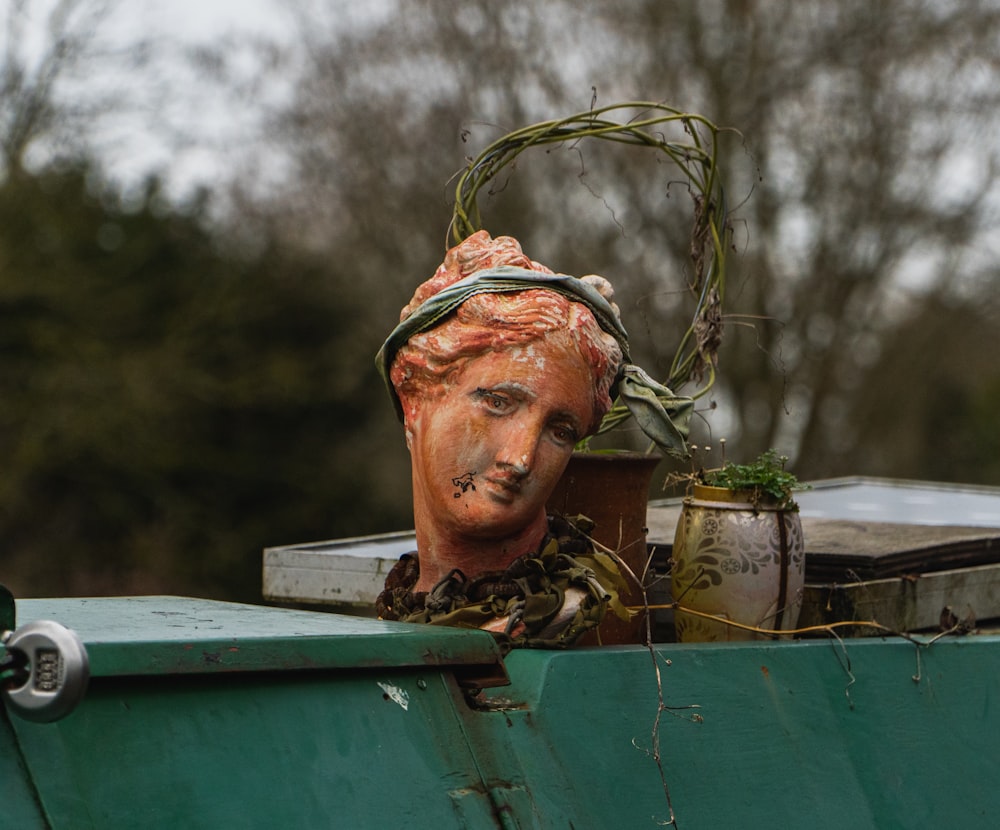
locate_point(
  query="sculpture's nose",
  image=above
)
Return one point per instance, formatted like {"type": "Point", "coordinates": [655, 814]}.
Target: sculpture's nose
{"type": "Point", "coordinates": [517, 452]}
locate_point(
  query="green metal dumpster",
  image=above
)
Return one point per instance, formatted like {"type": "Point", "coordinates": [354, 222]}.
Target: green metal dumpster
{"type": "Point", "coordinates": [203, 714]}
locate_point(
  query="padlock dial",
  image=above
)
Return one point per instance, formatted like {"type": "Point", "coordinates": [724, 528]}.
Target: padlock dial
{"type": "Point", "coordinates": [58, 671]}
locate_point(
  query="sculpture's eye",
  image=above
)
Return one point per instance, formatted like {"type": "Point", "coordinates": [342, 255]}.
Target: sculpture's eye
{"type": "Point", "coordinates": [494, 402]}
{"type": "Point", "coordinates": [564, 434]}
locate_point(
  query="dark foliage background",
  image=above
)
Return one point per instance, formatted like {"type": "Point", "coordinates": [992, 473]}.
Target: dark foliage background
{"type": "Point", "coordinates": [186, 379]}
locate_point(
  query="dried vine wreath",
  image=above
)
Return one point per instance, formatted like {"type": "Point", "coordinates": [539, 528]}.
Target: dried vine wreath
{"type": "Point", "coordinates": [639, 124]}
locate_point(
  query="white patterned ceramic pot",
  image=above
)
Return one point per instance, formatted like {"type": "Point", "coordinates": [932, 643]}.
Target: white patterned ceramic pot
{"type": "Point", "coordinates": [738, 560]}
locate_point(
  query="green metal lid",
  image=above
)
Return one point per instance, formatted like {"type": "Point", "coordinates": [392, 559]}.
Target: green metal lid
{"type": "Point", "coordinates": [175, 635]}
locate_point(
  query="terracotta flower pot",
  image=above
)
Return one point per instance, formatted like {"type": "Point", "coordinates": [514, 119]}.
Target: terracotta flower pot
{"type": "Point", "coordinates": [738, 560]}
{"type": "Point", "coordinates": [612, 489]}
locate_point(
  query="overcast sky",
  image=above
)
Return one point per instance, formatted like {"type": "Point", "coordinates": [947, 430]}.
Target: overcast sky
{"type": "Point", "coordinates": [164, 116]}
{"type": "Point", "coordinates": [213, 119]}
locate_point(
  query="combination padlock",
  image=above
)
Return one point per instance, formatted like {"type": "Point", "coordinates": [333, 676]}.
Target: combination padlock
{"type": "Point", "coordinates": [57, 671]}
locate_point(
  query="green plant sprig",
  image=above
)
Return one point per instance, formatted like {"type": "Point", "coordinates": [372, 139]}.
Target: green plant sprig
{"type": "Point", "coordinates": [697, 159]}
{"type": "Point", "coordinates": [766, 476]}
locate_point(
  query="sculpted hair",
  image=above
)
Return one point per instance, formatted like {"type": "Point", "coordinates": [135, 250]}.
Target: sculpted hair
{"type": "Point", "coordinates": [494, 322]}
{"type": "Point", "coordinates": [424, 366]}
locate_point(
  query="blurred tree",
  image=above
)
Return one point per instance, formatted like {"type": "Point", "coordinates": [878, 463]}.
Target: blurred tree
{"type": "Point", "coordinates": [872, 124]}
{"type": "Point", "coordinates": [176, 394]}
{"type": "Point", "coordinates": [49, 51]}
{"type": "Point", "coordinates": [864, 177]}
{"type": "Point", "coordinates": [935, 395]}
{"type": "Point", "coordinates": [165, 411]}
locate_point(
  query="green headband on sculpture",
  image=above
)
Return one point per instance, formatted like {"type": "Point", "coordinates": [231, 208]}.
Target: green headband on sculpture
{"type": "Point", "coordinates": [661, 414]}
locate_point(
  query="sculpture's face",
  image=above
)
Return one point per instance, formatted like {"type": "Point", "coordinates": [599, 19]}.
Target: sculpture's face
{"type": "Point", "coordinates": [487, 453]}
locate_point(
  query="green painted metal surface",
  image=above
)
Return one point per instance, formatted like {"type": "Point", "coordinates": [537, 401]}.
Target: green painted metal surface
{"type": "Point", "coordinates": [19, 806]}
{"type": "Point", "coordinates": [785, 734]}
{"type": "Point", "coordinates": [177, 635]}
{"type": "Point", "coordinates": [254, 751]}
{"type": "Point", "coordinates": [803, 734]}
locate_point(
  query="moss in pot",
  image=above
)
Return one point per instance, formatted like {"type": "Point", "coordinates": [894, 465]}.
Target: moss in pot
{"type": "Point", "coordinates": [738, 556]}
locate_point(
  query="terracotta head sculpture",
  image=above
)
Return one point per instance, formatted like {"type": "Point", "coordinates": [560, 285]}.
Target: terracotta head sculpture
{"type": "Point", "coordinates": [498, 368]}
